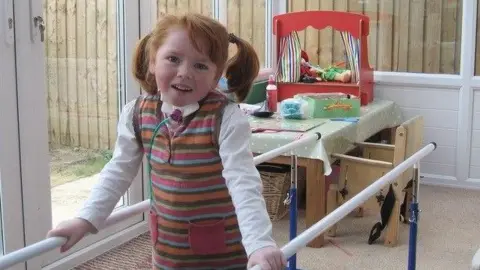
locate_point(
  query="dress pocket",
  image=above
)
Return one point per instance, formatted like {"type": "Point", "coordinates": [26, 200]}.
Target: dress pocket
{"type": "Point", "coordinates": [207, 239]}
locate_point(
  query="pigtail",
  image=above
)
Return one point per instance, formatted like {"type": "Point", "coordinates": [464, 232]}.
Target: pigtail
{"type": "Point", "coordinates": [242, 68]}
{"type": "Point", "coordinates": [140, 66]}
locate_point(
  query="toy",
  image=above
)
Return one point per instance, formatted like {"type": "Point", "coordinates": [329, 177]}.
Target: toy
{"type": "Point", "coordinates": [293, 108]}
{"type": "Point", "coordinates": [336, 74]}
{"type": "Point", "coordinates": [357, 80]}
{"type": "Point", "coordinates": [310, 73]}
{"type": "Point", "coordinates": [331, 105]}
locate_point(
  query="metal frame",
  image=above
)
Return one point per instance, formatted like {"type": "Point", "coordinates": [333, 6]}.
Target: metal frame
{"type": "Point", "coordinates": [467, 72]}
{"type": "Point", "coordinates": [297, 242]}
{"type": "Point", "coordinates": [272, 8]}
{"type": "Point", "coordinates": [412, 250]}
{"type": "Point", "coordinates": [221, 11]}
{"type": "Point", "coordinates": [465, 83]}
{"type": "Point", "coordinates": [33, 147]}
{"type": "Point", "coordinates": [32, 130]}
{"type": "Point", "coordinates": [11, 201]}
{"type": "Point", "coordinates": [129, 90]}
{"type": "Point", "coordinates": [52, 243]}
{"type": "Point", "coordinates": [338, 214]}
{"type": "Point", "coordinates": [293, 210]}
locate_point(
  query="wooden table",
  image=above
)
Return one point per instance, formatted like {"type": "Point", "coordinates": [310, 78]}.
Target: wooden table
{"type": "Point", "coordinates": [337, 137]}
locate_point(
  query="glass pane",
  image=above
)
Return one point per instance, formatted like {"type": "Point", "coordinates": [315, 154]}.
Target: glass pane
{"type": "Point", "coordinates": [246, 19]}
{"type": "Point", "coordinates": [82, 81]}
{"type": "Point", "coordinates": [183, 6]}
{"type": "Point", "coordinates": [405, 36]}
{"type": "Point", "coordinates": [250, 27]}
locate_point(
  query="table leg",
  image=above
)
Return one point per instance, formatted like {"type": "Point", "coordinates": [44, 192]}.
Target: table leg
{"type": "Point", "coordinates": [388, 134]}
{"type": "Point", "coordinates": [315, 206]}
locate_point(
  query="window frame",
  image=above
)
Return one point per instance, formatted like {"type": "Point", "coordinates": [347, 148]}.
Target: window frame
{"type": "Point", "coordinates": [11, 199]}
{"type": "Point", "coordinates": [272, 8]}
{"type": "Point", "coordinates": [34, 175]}
{"type": "Point", "coordinates": [465, 83]}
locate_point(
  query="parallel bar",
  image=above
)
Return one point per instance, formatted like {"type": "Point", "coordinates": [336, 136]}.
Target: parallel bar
{"type": "Point", "coordinates": [476, 261]}
{"type": "Point", "coordinates": [292, 261]}
{"type": "Point", "coordinates": [127, 212]}
{"type": "Point", "coordinates": [338, 214]}
{"type": "Point", "coordinates": [412, 243]}
{"type": "Point", "coordinates": [51, 243]}
{"type": "Point", "coordinates": [287, 147]}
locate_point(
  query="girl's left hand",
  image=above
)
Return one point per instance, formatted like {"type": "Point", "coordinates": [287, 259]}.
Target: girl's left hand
{"type": "Point", "coordinates": [268, 258]}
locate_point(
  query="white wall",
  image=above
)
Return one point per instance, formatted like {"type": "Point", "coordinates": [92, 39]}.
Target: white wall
{"type": "Point", "coordinates": [440, 108]}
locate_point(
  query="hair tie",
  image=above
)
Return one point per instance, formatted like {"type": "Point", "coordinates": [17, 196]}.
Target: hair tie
{"type": "Point", "coordinates": [232, 38]}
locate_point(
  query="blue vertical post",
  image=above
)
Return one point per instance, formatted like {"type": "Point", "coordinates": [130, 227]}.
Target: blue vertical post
{"type": "Point", "coordinates": [412, 248]}
{"type": "Point", "coordinates": [292, 261]}
{"type": "Point", "coordinates": [412, 243]}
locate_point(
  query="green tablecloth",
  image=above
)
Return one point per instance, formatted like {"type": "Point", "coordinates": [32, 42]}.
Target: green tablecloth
{"type": "Point", "coordinates": [337, 136]}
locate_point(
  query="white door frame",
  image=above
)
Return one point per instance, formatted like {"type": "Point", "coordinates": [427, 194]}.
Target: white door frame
{"type": "Point", "coordinates": [10, 179]}
{"type": "Point", "coordinates": [33, 134]}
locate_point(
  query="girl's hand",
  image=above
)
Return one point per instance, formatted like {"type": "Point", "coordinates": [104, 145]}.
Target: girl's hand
{"type": "Point", "coordinates": [268, 258]}
{"type": "Point", "coordinates": [74, 230]}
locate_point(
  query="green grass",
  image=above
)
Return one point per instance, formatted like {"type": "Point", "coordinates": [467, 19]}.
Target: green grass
{"type": "Point", "coordinates": [90, 165]}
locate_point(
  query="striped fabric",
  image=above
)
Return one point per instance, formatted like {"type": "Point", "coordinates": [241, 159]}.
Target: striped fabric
{"type": "Point", "coordinates": [196, 220]}
{"type": "Point", "coordinates": [352, 49]}
{"type": "Point", "coordinates": [288, 68]}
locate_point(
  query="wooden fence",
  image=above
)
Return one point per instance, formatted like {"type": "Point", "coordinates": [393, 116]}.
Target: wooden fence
{"type": "Point", "coordinates": [81, 50]}
{"type": "Point", "coordinates": [405, 35]}
{"type": "Point", "coordinates": [244, 18]}
{"type": "Point", "coordinates": [81, 70]}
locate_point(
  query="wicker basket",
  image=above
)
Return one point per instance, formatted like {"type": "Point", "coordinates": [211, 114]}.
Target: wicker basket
{"type": "Point", "coordinates": [276, 184]}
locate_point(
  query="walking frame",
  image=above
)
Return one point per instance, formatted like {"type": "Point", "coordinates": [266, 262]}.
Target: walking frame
{"type": "Point", "coordinates": [296, 241]}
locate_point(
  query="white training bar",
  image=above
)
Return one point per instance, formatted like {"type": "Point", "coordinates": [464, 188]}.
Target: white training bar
{"type": "Point", "coordinates": [302, 141]}
{"type": "Point", "coordinates": [476, 261]}
{"type": "Point", "coordinates": [338, 214]}
{"type": "Point", "coordinates": [52, 243]}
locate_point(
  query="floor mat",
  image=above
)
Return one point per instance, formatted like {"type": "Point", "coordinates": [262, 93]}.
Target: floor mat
{"type": "Point", "coordinates": [133, 255]}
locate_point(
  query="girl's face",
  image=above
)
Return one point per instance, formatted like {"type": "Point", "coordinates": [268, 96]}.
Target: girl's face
{"type": "Point", "coordinates": [184, 75]}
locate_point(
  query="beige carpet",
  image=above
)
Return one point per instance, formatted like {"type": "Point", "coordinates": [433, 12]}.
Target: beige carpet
{"type": "Point", "coordinates": [449, 235]}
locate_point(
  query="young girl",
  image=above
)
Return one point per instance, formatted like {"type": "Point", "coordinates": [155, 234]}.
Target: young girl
{"type": "Point", "coordinates": [207, 208]}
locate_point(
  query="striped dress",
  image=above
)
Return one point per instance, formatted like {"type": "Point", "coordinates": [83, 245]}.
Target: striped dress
{"type": "Point", "coordinates": [193, 220]}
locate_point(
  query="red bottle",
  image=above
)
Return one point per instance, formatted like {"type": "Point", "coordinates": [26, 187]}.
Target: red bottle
{"type": "Point", "coordinates": [272, 95]}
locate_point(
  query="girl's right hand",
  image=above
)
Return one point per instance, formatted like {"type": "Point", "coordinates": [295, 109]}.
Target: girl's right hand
{"type": "Point", "coordinates": [74, 230]}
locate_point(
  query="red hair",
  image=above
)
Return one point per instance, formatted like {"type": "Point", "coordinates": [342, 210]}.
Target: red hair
{"type": "Point", "coordinates": [207, 36]}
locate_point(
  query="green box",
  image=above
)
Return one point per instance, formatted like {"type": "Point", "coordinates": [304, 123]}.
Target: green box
{"type": "Point", "coordinates": [257, 94]}
{"type": "Point", "coordinates": [332, 105]}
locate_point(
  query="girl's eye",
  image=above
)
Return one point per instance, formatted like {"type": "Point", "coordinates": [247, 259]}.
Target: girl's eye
{"type": "Point", "coordinates": [173, 59]}
{"type": "Point", "coordinates": [201, 66]}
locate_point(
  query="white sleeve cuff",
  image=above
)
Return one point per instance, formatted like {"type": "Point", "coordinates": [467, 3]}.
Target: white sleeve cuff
{"type": "Point", "coordinates": [258, 245]}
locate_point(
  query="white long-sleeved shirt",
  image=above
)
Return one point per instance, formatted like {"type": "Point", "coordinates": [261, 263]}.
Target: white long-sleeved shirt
{"type": "Point", "coordinates": [242, 177]}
